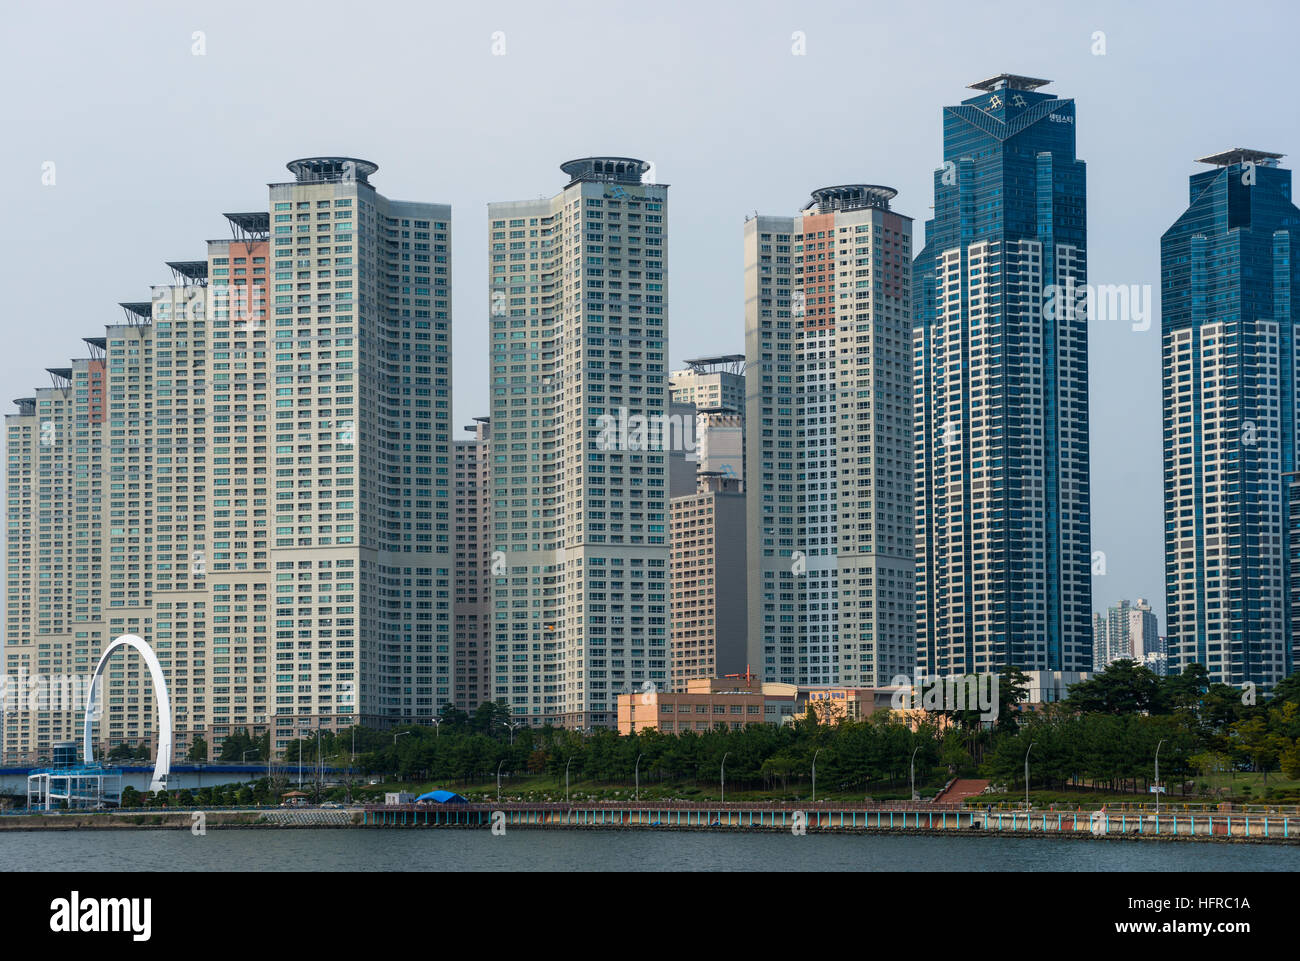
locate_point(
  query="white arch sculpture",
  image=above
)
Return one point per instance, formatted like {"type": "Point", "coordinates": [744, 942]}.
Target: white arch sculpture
{"type": "Point", "coordinates": [163, 764]}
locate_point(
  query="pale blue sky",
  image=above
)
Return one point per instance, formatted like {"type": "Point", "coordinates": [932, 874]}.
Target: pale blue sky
{"type": "Point", "coordinates": [151, 143]}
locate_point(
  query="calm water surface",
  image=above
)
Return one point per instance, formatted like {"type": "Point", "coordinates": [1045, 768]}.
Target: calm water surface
{"type": "Point", "coordinates": [533, 850]}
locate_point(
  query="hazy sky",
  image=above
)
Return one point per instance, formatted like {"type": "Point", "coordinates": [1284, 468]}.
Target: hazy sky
{"type": "Point", "coordinates": [151, 142]}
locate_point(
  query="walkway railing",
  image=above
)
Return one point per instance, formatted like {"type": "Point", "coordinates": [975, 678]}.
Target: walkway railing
{"type": "Point", "coordinates": [831, 817]}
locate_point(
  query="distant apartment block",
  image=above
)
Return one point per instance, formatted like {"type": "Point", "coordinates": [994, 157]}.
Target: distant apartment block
{"type": "Point", "coordinates": [680, 441]}
{"type": "Point", "coordinates": [708, 581]}
{"type": "Point", "coordinates": [1127, 631]}
{"type": "Point", "coordinates": [1146, 644]}
{"type": "Point", "coordinates": [715, 387]}
{"type": "Point", "coordinates": [1100, 631]}
{"type": "Point", "coordinates": [711, 383]}
{"type": "Point", "coordinates": [720, 444]}
{"type": "Point", "coordinates": [472, 629]}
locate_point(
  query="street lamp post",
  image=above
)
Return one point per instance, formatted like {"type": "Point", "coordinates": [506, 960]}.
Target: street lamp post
{"type": "Point", "coordinates": [724, 777]}
{"type": "Point", "coordinates": [814, 784]}
{"type": "Point", "coordinates": [1031, 747]}
{"type": "Point", "coordinates": [1162, 741]}
{"type": "Point", "coordinates": [437, 726]}
{"type": "Point", "coordinates": [566, 780]}
{"type": "Point", "coordinates": [499, 763]}
{"type": "Point", "coordinates": [395, 737]}
{"type": "Point", "coordinates": [352, 760]}
{"type": "Point", "coordinates": [511, 725]}
{"type": "Point", "coordinates": [265, 719]}
{"type": "Point", "coordinates": [918, 747]}
{"type": "Point", "coordinates": [637, 774]}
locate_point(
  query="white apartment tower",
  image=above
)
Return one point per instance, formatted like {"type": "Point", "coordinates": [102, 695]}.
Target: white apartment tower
{"type": "Point", "coordinates": [828, 432]}
{"type": "Point", "coordinates": [579, 329]}
{"type": "Point", "coordinates": [363, 450]}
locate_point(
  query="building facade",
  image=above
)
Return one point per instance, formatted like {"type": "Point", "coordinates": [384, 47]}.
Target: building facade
{"type": "Point", "coordinates": [708, 704]}
{"type": "Point", "coordinates": [828, 434]}
{"type": "Point", "coordinates": [579, 336]}
{"type": "Point", "coordinates": [1229, 269]}
{"type": "Point", "coordinates": [711, 383]}
{"type": "Point", "coordinates": [708, 582]}
{"type": "Point", "coordinates": [720, 444]}
{"type": "Point", "coordinates": [473, 570]}
{"type": "Point", "coordinates": [715, 388]}
{"type": "Point", "coordinates": [1001, 350]}
{"type": "Point", "coordinates": [253, 474]}
{"type": "Point", "coordinates": [1146, 645]}
{"type": "Point", "coordinates": [1129, 630]}
{"type": "Point", "coordinates": [1100, 633]}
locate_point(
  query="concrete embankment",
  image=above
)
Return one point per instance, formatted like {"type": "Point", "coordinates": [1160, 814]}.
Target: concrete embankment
{"type": "Point", "coordinates": [186, 820]}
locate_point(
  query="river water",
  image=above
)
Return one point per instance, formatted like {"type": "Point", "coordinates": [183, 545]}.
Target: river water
{"type": "Point", "coordinates": [545, 850]}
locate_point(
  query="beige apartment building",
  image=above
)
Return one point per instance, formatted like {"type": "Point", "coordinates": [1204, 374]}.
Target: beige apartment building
{"type": "Point", "coordinates": [711, 383]}
{"type": "Point", "coordinates": [253, 473]}
{"type": "Point", "coordinates": [578, 290]}
{"type": "Point", "coordinates": [829, 442]}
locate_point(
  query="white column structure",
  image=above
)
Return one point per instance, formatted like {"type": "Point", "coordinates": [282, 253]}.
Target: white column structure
{"type": "Point", "coordinates": [162, 765]}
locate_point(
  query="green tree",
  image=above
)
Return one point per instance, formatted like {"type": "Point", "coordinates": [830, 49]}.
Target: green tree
{"type": "Point", "coordinates": [198, 750]}
{"type": "Point", "coordinates": [1254, 739]}
{"type": "Point", "coordinates": [1289, 760]}
{"type": "Point", "coordinates": [810, 722]}
{"type": "Point", "coordinates": [1287, 689]}
{"type": "Point", "coordinates": [236, 744]}
{"type": "Point", "coordinates": [1013, 690]}
{"type": "Point", "coordinates": [453, 719]}
{"type": "Point", "coordinates": [1124, 687]}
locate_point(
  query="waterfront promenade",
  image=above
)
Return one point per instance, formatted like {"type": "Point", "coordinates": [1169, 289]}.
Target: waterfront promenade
{"type": "Point", "coordinates": [918, 818]}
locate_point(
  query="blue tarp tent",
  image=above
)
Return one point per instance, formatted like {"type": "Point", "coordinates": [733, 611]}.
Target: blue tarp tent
{"type": "Point", "coordinates": [443, 797]}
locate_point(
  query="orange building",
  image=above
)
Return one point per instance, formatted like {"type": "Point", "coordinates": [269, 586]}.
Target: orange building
{"type": "Point", "coordinates": [708, 702]}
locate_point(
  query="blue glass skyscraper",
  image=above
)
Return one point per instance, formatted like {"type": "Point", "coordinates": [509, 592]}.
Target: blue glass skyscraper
{"type": "Point", "coordinates": [1228, 276]}
{"type": "Point", "coordinates": [1003, 571]}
